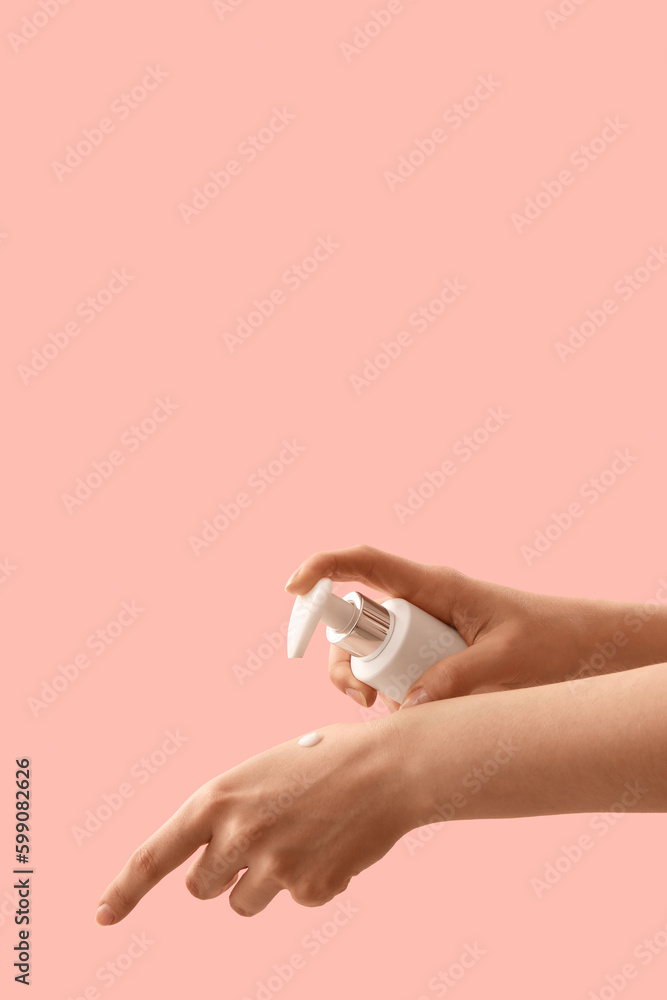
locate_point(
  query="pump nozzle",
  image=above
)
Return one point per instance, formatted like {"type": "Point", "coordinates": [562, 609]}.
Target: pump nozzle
{"type": "Point", "coordinates": [355, 622]}
{"type": "Point", "coordinates": [319, 604]}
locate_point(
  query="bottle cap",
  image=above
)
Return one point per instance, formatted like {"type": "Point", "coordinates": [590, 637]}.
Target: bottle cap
{"type": "Point", "coordinates": [355, 622]}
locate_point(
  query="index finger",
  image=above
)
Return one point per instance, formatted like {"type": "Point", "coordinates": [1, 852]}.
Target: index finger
{"type": "Point", "coordinates": [170, 846]}
{"type": "Point", "coordinates": [432, 588]}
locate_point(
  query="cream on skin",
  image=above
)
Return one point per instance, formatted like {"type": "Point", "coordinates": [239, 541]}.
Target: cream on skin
{"type": "Point", "coordinates": [562, 745]}
{"type": "Point", "coordinates": [311, 739]}
{"type": "Point", "coordinates": [574, 748]}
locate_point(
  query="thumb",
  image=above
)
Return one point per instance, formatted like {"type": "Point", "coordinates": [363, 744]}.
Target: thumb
{"type": "Point", "coordinates": [481, 665]}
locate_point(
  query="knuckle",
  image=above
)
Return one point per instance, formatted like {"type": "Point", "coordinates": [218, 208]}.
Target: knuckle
{"type": "Point", "coordinates": [243, 837]}
{"type": "Point", "coordinates": [233, 851]}
{"type": "Point", "coordinates": [321, 556]}
{"type": "Point", "coordinates": [505, 643]}
{"type": "Point", "coordinates": [340, 672]}
{"type": "Point", "coordinates": [454, 580]}
{"type": "Point", "coordinates": [448, 677]}
{"type": "Point", "coordinates": [215, 867]}
{"type": "Point", "coordinates": [365, 550]}
{"type": "Point", "coordinates": [277, 869]}
{"type": "Point", "coordinates": [311, 892]}
{"type": "Point", "coordinates": [144, 863]}
{"type": "Point", "coordinates": [455, 674]}
{"type": "Point", "coordinates": [340, 887]}
{"type": "Point", "coordinates": [195, 886]}
{"type": "Point", "coordinates": [206, 881]}
{"type": "Point", "coordinates": [458, 579]}
{"type": "Point", "coordinates": [255, 829]}
{"type": "Point", "coordinates": [465, 595]}
{"type": "Point", "coordinates": [205, 875]}
{"type": "Point", "coordinates": [207, 799]}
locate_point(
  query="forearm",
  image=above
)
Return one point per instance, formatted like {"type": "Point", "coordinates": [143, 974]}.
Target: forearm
{"type": "Point", "coordinates": [577, 746]}
{"type": "Point", "coordinates": [622, 635]}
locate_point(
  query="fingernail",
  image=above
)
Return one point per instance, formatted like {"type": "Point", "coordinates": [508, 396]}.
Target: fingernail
{"type": "Point", "coordinates": [356, 696]}
{"type": "Point", "coordinates": [293, 577]}
{"type": "Point", "coordinates": [105, 915]}
{"type": "Point", "coordinates": [416, 697]}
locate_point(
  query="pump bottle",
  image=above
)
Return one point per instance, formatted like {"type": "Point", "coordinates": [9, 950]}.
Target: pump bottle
{"type": "Point", "coordinates": [391, 644]}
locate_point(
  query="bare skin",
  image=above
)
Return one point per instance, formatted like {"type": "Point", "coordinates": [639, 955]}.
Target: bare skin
{"type": "Point", "coordinates": [515, 638]}
{"type": "Point", "coordinates": [309, 819]}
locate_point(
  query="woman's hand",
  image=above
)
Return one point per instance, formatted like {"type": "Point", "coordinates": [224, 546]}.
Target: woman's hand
{"type": "Point", "coordinates": [516, 639]}
{"type": "Point", "coordinates": [305, 819]}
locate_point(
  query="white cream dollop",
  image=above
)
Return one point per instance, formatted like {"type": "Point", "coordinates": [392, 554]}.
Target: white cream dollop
{"type": "Point", "coordinates": [310, 739]}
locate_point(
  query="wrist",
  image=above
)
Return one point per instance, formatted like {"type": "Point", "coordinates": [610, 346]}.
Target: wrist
{"type": "Point", "coordinates": [372, 769]}
{"type": "Point", "coordinates": [413, 787]}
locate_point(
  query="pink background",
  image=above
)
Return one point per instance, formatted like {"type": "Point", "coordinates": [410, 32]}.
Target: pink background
{"type": "Point", "coordinates": [324, 177]}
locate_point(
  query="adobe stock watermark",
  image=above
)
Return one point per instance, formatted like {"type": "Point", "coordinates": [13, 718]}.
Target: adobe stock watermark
{"type": "Point", "coordinates": [420, 319]}
{"type": "Point", "coordinates": [130, 441]}
{"type": "Point", "coordinates": [113, 970]}
{"type": "Point", "coordinates": [32, 24]}
{"type": "Point", "coordinates": [318, 937]}
{"type": "Point", "coordinates": [270, 812]}
{"type": "Point", "coordinates": [424, 147]}
{"type": "Point", "coordinates": [600, 825]}
{"type": "Point", "coordinates": [581, 158]}
{"type": "Point", "coordinates": [224, 7]}
{"type": "Point", "coordinates": [7, 569]}
{"type": "Point", "coordinates": [87, 311]}
{"type": "Point", "coordinates": [600, 661]}
{"type": "Point", "coordinates": [378, 710]}
{"type": "Point", "coordinates": [247, 152]}
{"type": "Point", "coordinates": [428, 654]}
{"type": "Point", "coordinates": [471, 784]}
{"type": "Point", "coordinates": [645, 952]}
{"type": "Point", "coordinates": [445, 980]}
{"type": "Point", "coordinates": [464, 449]}
{"type": "Point", "coordinates": [121, 108]}
{"type": "Point", "coordinates": [260, 655]}
{"type": "Point", "coordinates": [140, 772]}
{"type": "Point", "coordinates": [562, 13]}
{"type": "Point", "coordinates": [98, 643]}
{"type": "Point", "coordinates": [291, 280]}
{"type": "Point", "coordinates": [8, 906]}
{"type": "Point", "coordinates": [377, 21]}
{"type": "Point", "coordinates": [591, 491]}
{"type": "Point", "coordinates": [272, 641]}
{"type": "Point", "coordinates": [624, 290]}
{"type": "Point", "coordinates": [257, 484]}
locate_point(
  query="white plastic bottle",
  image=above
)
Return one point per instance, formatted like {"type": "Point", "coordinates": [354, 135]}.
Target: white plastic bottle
{"type": "Point", "coordinates": [391, 644]}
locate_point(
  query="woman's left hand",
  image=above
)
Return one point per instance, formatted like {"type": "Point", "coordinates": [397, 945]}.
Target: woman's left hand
{"type": "Point", "coordinates": [305, 819]}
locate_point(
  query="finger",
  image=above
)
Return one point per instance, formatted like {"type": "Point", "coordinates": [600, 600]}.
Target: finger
{"type": "Point", "coordinates": [169, 847]}
{"type": "Point", "coordinates": [215, 870]}
{"type": "Point", "coordinates": [392, 705]}
{"type": "Point", "coordinates": [481, 665]}
{"type": "Point", "coordinates": [390, 574]}
{"type": "Point", "coordinates": [253, 892]}
{"type": "Point", "coordinates": [342, 677]}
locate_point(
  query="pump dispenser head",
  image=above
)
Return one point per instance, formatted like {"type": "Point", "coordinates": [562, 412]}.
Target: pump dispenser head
{"type": "Point", "coordinates": [355, 622]}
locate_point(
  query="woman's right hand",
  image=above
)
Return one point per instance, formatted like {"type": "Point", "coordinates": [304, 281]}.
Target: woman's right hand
{"type": "Point", "coordinates": [515, 638]}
